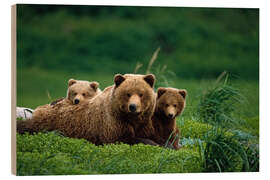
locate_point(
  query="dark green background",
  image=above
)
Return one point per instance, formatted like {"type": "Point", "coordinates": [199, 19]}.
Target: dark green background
{"type": "Point", "coordinates": [56, 43]}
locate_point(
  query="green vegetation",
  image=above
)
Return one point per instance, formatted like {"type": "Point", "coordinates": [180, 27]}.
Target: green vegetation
{"type": "Point", "coordinates": [220, 125]}
{"type": "Point", "coordinates": [195, 43]}
{"type": "Point", "coordinates": [50, 153]}
{"type": "Point", "coordinates": [219, 102]}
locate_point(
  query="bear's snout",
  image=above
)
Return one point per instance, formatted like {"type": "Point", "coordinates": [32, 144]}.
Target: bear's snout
{"type": "Point", "coordinates": [134, 104]}
{"type": "Point", "coordinates": [170, 112]}
{"type": "Point", "coordinates": [170, 116]}
{"type": "Point", "coordinates": [132, 107]}
{"type": "Point", "coordinates": [76, 101]}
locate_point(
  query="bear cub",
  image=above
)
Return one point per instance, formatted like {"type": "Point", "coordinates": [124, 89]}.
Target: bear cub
{"type": "Point", "coordinates": [170, 103]}
{"type": "Point", "coordinates": [78, 91]}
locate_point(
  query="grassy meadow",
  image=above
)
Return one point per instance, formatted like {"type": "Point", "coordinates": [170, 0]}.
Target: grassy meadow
{"type": "Point", "coordinates": [56, 43]}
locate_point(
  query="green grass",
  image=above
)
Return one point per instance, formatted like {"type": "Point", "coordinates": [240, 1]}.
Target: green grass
{"type": "Point", "coordinates": [218, 103]}
{"type": "Point", "coordinates": [50, 153]}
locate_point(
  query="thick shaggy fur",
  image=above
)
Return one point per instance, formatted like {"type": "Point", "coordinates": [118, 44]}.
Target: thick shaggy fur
{"type": "Point", "coordinates": [121, 112]}
{"type": "Point", "coordinates": [170, 103]}
{"type": "Point", "coordinates": [79, 90]}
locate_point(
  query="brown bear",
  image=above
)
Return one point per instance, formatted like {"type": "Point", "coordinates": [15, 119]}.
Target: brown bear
{"type": "Point", "coordinates": [79, 91]}
{"type": "Point", "coordinates": [170, 103]}
{"type": "Point", "coordinates": [121, 113]}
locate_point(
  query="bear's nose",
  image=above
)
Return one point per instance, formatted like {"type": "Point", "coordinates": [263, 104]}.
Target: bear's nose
{"type": "Point", "coordinates": [170, 115]}
{"type": "Point", "coordinates": [132, 107]}
{"type": "Point", "coordinates": [76, 101]}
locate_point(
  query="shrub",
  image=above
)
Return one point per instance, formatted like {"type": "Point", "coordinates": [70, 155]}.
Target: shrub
{"type": "Point", "coordinates": [193, 129]}
{"type": "Point", "coordinates": [51, 153]}
{"type": "Point", "coordinates": [221, 150]}
{"type": "Point", "coordinates": [250, 144]}
{"type": "Point", "coordinates": [217, 104]}
{"type": "Point", "coordinates": [223, 154]}
{"type": "Point", "coordinates": [252, 151]}
{"type": "Point", "coordinates": [197, 130]}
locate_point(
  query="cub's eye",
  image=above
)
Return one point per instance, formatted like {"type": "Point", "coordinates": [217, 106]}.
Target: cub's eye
{"type": "Point", "coordinates": [167, 105]}
{"type": "Point", "coordinates": [83, 94]}
{"type": "Point", "coordinates": [174, 105]}
{"type": "Point", "coordinates": [128, 95]}
{"type": "Point", "coordinates": [141, 95]}
{"type": "Point", "coordinates": [75, 94]}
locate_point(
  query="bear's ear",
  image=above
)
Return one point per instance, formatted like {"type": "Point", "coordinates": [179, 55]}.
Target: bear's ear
{"type": "Point", "coordinates": [94, 85]}
{"type": "Point", "coordinates": [118, 79]}
{"type": "Point", "coordinates": [183, 93]}
{"type": "Point", "coordinates": [71, 81]}
{"type": "Point", "coordinates": [150, 79]}
{"type": "Point", "coordinates": [160, 91]}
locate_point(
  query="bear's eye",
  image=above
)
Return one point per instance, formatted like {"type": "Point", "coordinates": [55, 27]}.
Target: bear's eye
{"type": "Point", "coordinates": [174, 105]}
{"type": "Point", "coordinates": [167, 105]}
{"type": "Point", "coordinates": [75, 94]}
{"type": "Point", "coordinates": [83, 94]}
{"type": "Point", "coordinates": [128, 95]}
{"type": "Point", "coordinates": [141, 95]}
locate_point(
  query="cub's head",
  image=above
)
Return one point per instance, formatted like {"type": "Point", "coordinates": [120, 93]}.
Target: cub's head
{"type": "Point", "coordinates": [170, 101]}
{"type": "Point", "coordinates": [79, 91]}
{"type": "Point", "coordinates": [134, 94]}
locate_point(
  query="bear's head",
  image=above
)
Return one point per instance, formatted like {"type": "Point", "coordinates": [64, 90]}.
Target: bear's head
{"type": "Point", "coordinates": [170, 101]}
{"type": "Point", "coordinates": [134, 94]}
{"type": "Point", "coordinates": [78, 90]}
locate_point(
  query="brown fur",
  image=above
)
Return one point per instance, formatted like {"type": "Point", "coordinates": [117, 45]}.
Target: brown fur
{"type": "Point", "coordinates": [170, 103]}
{"type": "Point", "coordinates": [79, 91]}
{"type": "Point", "coordinates": [107, 117]}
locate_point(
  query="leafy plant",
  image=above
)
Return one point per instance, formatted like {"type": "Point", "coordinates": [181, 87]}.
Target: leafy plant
{"type": "Point", "coordinates": [223, 154]}
{"type": "Point", "coordinates": [223, 147]}
{"type": "Point", "coordinates": [251, 147]}
{"type": "Point", "coordinates": [218, 103]}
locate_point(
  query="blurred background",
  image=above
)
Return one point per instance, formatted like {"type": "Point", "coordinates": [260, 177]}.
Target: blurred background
{"type": "Point", "coordinates": [56, 43]}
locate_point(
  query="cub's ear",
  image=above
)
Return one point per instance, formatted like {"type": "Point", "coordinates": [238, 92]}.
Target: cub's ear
{"type": "Point", "coordinates": [71, 81]}
{"type": "Point", "coordinates": [94, 85]}
{"type": "Point", "coordinates": [118, 79]}
{"type": "Point", "coordinates": [160, 91]}
{"type": "Point", "coordinates": [183, 93]}
{"type": "Point", "coordinates": [150, 79]}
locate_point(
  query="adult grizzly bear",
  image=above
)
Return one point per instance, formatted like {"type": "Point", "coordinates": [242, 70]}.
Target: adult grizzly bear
{"type": "Point", "coordinates": [170, 103]}
{"type": "Point", "coordinates": [122, 112]}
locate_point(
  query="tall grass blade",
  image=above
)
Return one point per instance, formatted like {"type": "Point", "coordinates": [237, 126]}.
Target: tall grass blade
{"type": "Point", "coordinates": [153, 59]}
{"type": "Point", "coordinates": [138, 66]}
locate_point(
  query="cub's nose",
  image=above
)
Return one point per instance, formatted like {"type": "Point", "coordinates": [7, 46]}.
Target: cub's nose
{"type": "Point", "coordinates": [76, 101]}
{"type": "Point", "coordinates": [170, 115]}
{"type": "Point", "coordinates": [132, 107]}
